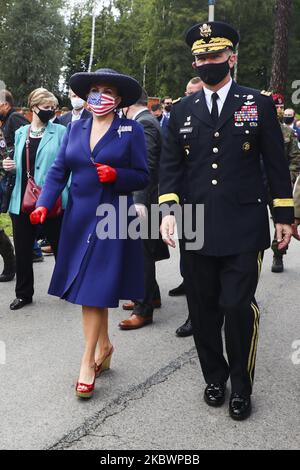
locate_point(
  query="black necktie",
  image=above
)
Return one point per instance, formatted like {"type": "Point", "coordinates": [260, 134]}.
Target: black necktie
{"type": "Point", "coordinates": [215, 110]}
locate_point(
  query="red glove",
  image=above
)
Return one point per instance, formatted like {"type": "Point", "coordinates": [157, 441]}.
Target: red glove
{"type": "Point", "coordinates": [38, 216]}
{"type": "Point", "coordinates": [106, 174]}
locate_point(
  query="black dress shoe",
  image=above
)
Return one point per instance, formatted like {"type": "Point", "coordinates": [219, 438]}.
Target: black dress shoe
{"type": "Point", "coordinates": [19, 303]}
{"type": "Point", "coordinates": [277, 265]}
{"type": "Point", "coordinates": [239, 407]}
{"type": "Point", "coordinates": [178, 291]}
{"type": "Point", "coordinates": [214, 394]}
{"type": "Point", "coordinates": [185, 329]}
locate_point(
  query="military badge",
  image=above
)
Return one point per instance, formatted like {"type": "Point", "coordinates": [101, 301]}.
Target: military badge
{"type": "Point", "coordinates": [246, 146]}
{"type": "Point", "coordinates": [205, 31]}
{"type": "Point", "coordinates": [247, 113]}
{"type": "Point", "coordinates": [186, 130]}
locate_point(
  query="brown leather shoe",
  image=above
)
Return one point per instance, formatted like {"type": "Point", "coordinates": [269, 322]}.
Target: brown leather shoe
{"type": "Point", "coordinates": [128, 305]}
{"type": "Point", "coordinates": [156, 303]}
{"type": "Point", "coordinates": [47, 250]}
{"type": "Point", "coordinates": [134, 322]}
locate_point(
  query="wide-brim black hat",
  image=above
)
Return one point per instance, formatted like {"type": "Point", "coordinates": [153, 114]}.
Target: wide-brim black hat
{"type": "Point", "coordinates": [211, 37]}
{"type": "Point", "coordinates": [128, 88]}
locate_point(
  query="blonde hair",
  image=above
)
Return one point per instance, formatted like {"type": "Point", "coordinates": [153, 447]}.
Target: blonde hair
{"type": "Point", "coordinates": [41, 96]}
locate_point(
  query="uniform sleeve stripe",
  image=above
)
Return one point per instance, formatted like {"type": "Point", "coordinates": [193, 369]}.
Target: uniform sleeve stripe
{"type": "Point", "coordinates": [283, 203]}
{"type": "Point", "coordinates": [168, 198]}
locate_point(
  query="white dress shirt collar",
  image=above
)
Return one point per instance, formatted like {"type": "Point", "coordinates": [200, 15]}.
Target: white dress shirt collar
{"type": "Point", "coordinates": [222, 93]}
{"type": "Point", "coordinates": [77, 116]}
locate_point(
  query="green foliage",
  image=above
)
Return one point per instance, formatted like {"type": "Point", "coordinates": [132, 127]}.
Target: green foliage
{"type": "Point", "coordinates": [145, 38]}
{"type": "Point", "coordinates": [5, 223]}
{"type": "Point", "coordinates": [32, 36]}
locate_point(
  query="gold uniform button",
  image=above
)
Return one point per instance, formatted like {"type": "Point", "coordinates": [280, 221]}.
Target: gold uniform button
{"type": "Point", "coordinates": [214, 182]}
{"type": "Point", "coordinates": [215, 150]}
{"type": "Point", "coordinates": [217, 134]}
{"type": "Point", "coordinates": [215, 166]}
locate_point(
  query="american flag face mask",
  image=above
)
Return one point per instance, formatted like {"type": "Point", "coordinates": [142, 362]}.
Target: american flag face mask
{"type": "Point", "coordinates": [100, 103]}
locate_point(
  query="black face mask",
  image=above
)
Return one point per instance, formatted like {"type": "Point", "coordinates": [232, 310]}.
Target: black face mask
{"type": "Point", "coordinates": [168, 108]}
{"type": "Point", "coordinates": [288, 120]}
{"type": "Point", "coordinates": [212, 74]}
{"type": "Point", "coordinates": [159, 118]}
{"type": "Point", "coordinates": [45, 115]}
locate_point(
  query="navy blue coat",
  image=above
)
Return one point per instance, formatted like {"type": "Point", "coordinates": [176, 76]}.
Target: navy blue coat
{"type": "Point", "coordinates": [90, 271]}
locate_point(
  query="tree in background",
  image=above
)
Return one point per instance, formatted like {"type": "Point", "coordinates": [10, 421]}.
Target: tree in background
{"type": "Point", "coordinates": [32, 37]}
{"type": "Point", "coordinates": [143, 38]}
{"type": "Point", "coordinates": [281, 45]}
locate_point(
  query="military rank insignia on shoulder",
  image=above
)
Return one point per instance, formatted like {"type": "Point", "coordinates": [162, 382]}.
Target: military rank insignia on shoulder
{"type": "Point", "coordinates": [176, 101]}
{"type": "Point", "coordinates": [266, 93]}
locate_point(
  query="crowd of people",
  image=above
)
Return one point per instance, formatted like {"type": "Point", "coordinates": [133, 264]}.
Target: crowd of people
{"type": "Point", "coordinates": [57, 169]}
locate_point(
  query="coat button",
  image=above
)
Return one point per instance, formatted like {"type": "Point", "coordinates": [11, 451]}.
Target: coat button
{"type": "Point", "coordinates": [258, 200]}
{"type": "Point", "coordinates": [217, 134]}
{"type": "Point", "coordinates": [215, 150]}
{"type": "Point", "coordinates": [247, 132]}
{"type": "Point", "coordinates": [214, 182]}
{"type": "Point", "coordinates": [215, 166]}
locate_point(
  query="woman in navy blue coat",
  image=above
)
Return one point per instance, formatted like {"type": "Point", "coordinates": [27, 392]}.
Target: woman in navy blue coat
{"type": "Point", "coordinates": [106, 158]}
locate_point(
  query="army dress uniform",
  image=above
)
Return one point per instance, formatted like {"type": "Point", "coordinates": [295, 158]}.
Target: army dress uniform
{"type": "Point", "coordinates": [292, 151]}
{"type": "Point", "coordinates": [217, 164]}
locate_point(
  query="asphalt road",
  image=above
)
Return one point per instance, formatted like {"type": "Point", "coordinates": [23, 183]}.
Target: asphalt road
{"type": "Point", "coordinates": [152, 396]}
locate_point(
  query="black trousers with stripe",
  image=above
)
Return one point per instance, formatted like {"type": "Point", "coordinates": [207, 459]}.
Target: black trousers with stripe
{"type": "Point", "coordinates": [222, 290]}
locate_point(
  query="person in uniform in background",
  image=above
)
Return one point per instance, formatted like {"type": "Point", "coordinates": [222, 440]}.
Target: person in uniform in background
{"type": "Point", "coordinates": [215, 139]}
{"type": "Point", "coordinates": [292, 154]}
{"type": "Point", "coordinates": [289, 118]}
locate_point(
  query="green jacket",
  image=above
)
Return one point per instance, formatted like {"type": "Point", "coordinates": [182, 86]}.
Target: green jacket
{"type": "Point", "coordinates": [292, 151]}
{"type": "Point", "coordinates": [47, 151]}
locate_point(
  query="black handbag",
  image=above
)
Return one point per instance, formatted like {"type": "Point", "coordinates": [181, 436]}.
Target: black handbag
{"type": "Point", "coordinates": [7, 192]}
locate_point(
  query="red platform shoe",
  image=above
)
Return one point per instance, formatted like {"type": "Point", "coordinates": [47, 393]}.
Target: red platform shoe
{"type": "Point", "coordinates": [85, 390]}
{"type": "Point", "coordinates": [105, 364]}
